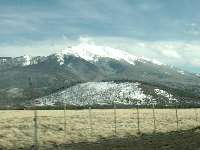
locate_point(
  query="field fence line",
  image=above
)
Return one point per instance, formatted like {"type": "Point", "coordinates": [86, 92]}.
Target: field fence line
{"type": "Point", "coordinates": [117, 123]}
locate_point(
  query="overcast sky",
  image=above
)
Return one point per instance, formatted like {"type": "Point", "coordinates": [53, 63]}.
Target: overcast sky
{"type": "Point", "coordinates": [166, 30]}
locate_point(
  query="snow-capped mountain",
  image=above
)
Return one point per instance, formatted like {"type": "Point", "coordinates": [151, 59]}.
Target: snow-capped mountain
{"type": "Point", "coordinates": [91, 52]}
{"type": "Point", "coordinates": [87, 63]}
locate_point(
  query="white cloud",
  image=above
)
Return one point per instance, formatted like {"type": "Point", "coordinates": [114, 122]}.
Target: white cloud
{"type": "Point", "coordinates": [171, 54]}
{"type": "Point", "coordinates": [196, 62]}
{"type": "Point", "coordinates": [85, 39]}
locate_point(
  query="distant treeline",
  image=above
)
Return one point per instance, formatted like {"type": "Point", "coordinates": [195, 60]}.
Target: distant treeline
{"type": "Point", "coordinates": [73, 107]}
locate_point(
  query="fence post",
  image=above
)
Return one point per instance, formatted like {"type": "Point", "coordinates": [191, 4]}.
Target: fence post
{"type": "Point", "coordinates": [138, 119]}
{"type": "Point", "coordinates": [154, 119]}
{"type": "Point", "coordinates": [196, 115]}
{"type": "Point", "coordinates": [90, 120]}
{"type": "Point", "coordinates": [115, 120]}
{"type": "Point", "coordinates": [36, 144]}
{"type": "Point", "coordinates": [65, 121]}
{"type": "Point", "coordinates": [177, 126]}
{"type": "Point", "coordinates": [69, 125]}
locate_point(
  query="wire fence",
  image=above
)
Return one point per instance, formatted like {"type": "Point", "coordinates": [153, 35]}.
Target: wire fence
{"type": "Point", "coordinates": [39, 128]}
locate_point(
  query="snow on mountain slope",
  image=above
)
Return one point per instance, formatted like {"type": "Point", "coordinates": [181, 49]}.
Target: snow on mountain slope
{"type": "Point", "coordinates": [181, 72]}
{"type": "Point", "coordinates": [21, 61]}
{"type": "Point", "coordinates": [92, 52]}
{"type": "Point", "coordinates": [104, 93]}
{"type": "Point", "coordinates": [60, 58]}
{"type": "Point", "coordinates": [198, 75]}
{"type": "Point", "coordinates": [27, 60]}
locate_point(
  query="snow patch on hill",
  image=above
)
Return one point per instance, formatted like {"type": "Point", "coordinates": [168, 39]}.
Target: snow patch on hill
{"type": "Point", "coordinates": [98, 93]}
{"type": "Point", "coordinates": [104, 93]}
{"type": "Point", "coordinates": [165, 94]}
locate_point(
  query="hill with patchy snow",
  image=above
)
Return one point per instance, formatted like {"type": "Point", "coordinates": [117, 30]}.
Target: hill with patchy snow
{"type": "Point", "coordinates": [115, 92]}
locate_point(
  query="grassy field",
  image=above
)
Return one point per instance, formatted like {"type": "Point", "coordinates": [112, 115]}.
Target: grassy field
{"type": "Point", "coordinates": [17, 127]}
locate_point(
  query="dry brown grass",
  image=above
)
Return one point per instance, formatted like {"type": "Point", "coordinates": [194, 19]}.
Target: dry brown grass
{"type": "Point", "coordinates": [16, 127]}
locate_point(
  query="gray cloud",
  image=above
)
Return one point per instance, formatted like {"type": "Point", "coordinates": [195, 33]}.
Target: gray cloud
{"type": "Point", "coordinates": [164, 30]}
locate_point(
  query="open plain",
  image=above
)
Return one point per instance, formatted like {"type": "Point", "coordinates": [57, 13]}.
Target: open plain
{"type": "Point", "coordinates": [74, 127]}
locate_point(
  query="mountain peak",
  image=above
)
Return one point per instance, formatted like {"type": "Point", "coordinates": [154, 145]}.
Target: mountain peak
{"type": "Point", "coordinates": [92, 52]}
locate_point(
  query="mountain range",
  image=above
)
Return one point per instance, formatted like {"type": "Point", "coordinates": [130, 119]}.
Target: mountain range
{"type": "Point", "coordinates": [27, 78]}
